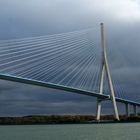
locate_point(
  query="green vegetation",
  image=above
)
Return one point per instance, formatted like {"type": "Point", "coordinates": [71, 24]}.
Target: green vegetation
{"type": "Point", "coordinates": [65, 119]}
{"type": "Point", "coordinates": [53, 119]}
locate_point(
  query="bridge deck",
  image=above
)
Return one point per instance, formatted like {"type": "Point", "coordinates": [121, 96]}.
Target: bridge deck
{"type": "Point", "coordinates": [64, 88]}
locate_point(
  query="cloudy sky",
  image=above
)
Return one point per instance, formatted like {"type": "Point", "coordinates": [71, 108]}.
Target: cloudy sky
{"type": "Point", "coordinates": [30, 18]}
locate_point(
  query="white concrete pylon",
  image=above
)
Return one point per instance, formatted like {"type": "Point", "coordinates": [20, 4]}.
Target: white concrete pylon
{"type": "Point", "coordinates": [135, 110]}
{"type": "Point", "coordinates": [127, 110]}
{"type": "Point", "coordinates": [98, 110]}
{"type": "Point", "coordinates": [105, 67]}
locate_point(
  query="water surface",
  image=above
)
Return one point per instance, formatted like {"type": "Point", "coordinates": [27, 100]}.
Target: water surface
{"type": "Point", "coordinates": [118, 131]}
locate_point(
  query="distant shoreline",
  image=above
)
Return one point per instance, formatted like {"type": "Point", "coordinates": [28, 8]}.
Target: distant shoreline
{"type": "Point", "coordinates": [65, 119]}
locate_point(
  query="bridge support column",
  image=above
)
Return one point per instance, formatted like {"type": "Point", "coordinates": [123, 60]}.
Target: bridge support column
{"type": "Point", "coordinates": [135, 110]}
{"type": "Point", "coordinates": [109, 79]}
{"type": "Point", "coordinates": [98, 110]}
{"type": "Point", "coordinates": [127, 110]}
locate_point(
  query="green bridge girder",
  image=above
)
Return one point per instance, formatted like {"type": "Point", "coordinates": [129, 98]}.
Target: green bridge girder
{"type": "Point", "coordinates": [64, 88]}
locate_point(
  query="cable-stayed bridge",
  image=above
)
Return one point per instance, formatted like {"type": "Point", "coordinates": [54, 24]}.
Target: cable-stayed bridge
{"type": "Point", "coordinates": [76, 62]}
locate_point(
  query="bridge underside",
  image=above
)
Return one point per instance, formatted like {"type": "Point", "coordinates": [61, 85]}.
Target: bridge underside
{"type": "Point", "coordinates": [65, 88]}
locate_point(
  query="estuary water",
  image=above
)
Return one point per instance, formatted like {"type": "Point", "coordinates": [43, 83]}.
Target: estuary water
{"type": "Point", "coordinates": [114, 131]}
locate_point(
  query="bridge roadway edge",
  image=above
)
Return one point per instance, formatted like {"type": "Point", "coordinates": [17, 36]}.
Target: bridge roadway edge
{"type": "Point", "coordinates": [64, 88]}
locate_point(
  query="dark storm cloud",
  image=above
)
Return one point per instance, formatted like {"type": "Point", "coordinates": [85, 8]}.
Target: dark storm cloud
{"type": "Point", "coordinates": [20, 18]}
{"type": "Point", "coordinates": [36, 17]}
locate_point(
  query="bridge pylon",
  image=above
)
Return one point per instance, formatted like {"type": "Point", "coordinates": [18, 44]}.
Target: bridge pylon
{"type": "Point", "coordinates": [105, 69]}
